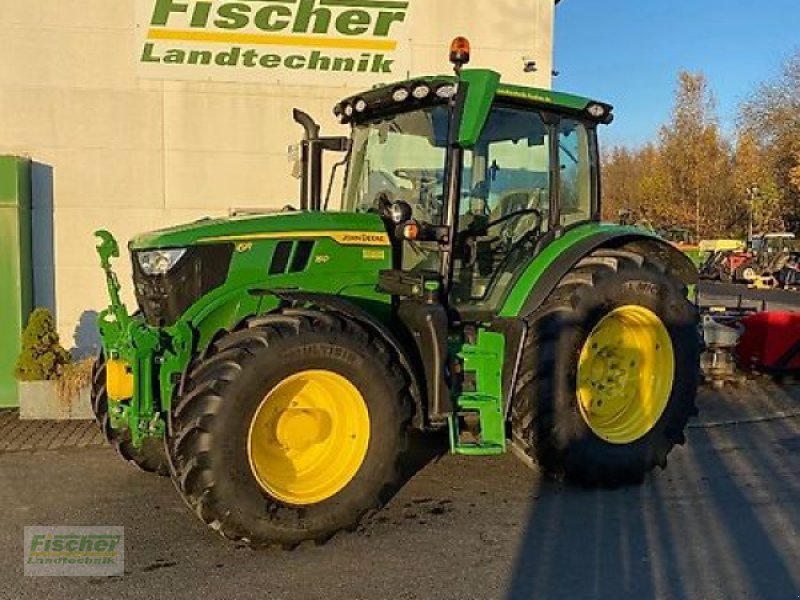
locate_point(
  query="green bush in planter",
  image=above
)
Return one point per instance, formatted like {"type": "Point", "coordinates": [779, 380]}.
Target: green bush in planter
{"type": "Point", "coordinates": [42, 357]}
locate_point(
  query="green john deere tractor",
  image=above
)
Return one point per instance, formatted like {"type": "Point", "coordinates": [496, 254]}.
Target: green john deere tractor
{"type": "Point", "coordinates": [278, 362]}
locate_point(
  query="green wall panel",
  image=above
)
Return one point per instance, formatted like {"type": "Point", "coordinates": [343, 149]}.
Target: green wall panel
{"type": "Point", "coordinates": [16, 275]}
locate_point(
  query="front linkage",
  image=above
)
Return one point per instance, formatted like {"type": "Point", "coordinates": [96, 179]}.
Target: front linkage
{"type": "Point", "coordinates": [136, 355]}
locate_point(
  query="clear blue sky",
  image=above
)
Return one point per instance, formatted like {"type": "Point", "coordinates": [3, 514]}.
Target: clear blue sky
{"type": "Point", "coordinates": [629, 52]}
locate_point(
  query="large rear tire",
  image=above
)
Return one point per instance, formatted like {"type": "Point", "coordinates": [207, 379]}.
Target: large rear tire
{"type": "Point", "coordinates": [290, 430]}
{"type": "Point", "coordinates": [151, 457]}
{"type": "Point", "coordinates": [609, 372]}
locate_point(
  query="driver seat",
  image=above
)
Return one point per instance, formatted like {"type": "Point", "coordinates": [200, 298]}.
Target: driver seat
{"type": "Point", "coordinates": [475, 282]}
{"type": "Point", "coordinates": [520, 199]}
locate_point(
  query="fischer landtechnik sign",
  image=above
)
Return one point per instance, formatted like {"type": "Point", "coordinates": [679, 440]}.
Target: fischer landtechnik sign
{"type": "Point", "coordinates": [304, 42]}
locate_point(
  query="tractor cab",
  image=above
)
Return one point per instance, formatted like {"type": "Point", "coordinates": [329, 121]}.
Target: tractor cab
{"type": "Point", "coordinates": [471, 176]}
{"type": "Point", "coordinates": [773, 243]}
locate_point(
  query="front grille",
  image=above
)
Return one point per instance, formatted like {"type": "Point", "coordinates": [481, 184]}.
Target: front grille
{"type": "Point", "coordinates": [164, 298]}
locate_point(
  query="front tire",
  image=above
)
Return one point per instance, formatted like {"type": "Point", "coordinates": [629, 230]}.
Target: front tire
{"type": "Point", "coordinates": [291, 430]}
{"type": "Point", "coordinates": [618, 330]}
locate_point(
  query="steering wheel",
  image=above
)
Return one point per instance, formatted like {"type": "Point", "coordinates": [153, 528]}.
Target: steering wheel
{"type": "Point", "coordinates": [468, 237]}
{"type": "Point", "coordinates": [422, 177]}
{"type": "Point", "coordinates": [507, 231]}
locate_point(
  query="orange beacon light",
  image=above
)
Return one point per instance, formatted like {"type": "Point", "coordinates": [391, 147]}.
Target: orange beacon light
{"type": "Point", "coordinates": [459, 52]}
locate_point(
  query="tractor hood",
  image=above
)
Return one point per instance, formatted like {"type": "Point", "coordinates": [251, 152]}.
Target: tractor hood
{"type": "Point", "coordinates": [366, 227]}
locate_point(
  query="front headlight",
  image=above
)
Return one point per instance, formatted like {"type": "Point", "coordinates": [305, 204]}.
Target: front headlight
{"type": "Point", "coordinates": [159, 262]}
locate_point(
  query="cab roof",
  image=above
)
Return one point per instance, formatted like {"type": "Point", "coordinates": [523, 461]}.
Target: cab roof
{"type": "Point", "coordinates": [440, 88]}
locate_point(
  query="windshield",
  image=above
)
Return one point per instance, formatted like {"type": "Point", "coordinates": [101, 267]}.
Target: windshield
{"type": "Point", "coordinates": [403, 158]}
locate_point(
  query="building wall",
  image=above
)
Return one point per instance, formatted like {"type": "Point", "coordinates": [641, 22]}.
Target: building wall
{"type": "Point", "coordinates": [116, 151]}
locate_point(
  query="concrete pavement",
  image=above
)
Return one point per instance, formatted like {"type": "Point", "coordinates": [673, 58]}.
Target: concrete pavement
{"type": "Point", "coordinates": [17, 434]}
{"type": "Point", "coordinates": [722, 522]}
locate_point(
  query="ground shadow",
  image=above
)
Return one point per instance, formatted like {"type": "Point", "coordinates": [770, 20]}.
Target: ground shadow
{"type": "Point", "coordinates": [423, 449]}
{"type": "Point", "coordinates": [42, 186]}
{"type": "Point", "coordinates": [86, 336]}
{"type": "Point", "coordinates": [717, 523]}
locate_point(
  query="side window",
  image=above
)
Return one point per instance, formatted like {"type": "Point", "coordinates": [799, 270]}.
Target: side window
{"type": "Point", "coordinates": [576, 172]}
{"type": "Point", "coordinates": [505, 194]}
{"type": "Point", "coordinates": [520, 176]}
{"type": "Point", "coordinates": [509, 169]}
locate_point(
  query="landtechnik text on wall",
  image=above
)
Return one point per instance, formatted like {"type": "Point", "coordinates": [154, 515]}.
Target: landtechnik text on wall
{"type": "Point", "coordinates": [305, 41]}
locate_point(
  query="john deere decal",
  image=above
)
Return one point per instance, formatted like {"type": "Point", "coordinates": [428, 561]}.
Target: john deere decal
{"type": "Point", "coordinates": [306, 42]}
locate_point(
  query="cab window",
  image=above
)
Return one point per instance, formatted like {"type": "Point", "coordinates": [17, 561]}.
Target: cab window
{"type": "Point", "coordinates": [508, 171]}
{"type": "Point", "coordinates": [505, 195]}
{"type": "Point", "coordinates": [576, 166]}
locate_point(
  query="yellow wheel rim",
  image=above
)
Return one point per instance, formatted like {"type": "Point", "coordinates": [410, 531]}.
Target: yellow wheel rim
{"type": "Point", "coordinates": [309, 437]}
{"type": "Point", "coordinates": [625, 374]}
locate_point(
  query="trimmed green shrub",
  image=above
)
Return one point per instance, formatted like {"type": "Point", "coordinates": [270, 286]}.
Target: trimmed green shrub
{"type": "Point", "coordinates": [42, 357]}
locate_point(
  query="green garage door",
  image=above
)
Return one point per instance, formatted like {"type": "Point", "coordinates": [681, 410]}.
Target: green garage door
{"type": "Point", "coordinates": [15, 267]}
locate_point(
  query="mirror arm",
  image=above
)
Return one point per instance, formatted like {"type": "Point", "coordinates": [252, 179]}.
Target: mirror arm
{"type": "Point", "coordinates": [335, 144]}
{"type": "Point", "coordinates": [334, 170]}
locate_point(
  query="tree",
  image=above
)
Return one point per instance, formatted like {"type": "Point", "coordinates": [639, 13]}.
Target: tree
{"type": "Point", "coordinates": [794, 172]}
{"type": "Point", "coordinates": [772, 117]}
{"type": "Point", "coordinates": [692, 177]}
{"type": "Point", "coordinates": [754, 185]}
{"type": "Point", "coordinates": [698, 160]}
{"type": "Point", "coordinates": [623, 172]}
{"type": "Point", "coordinates": [637, 183]}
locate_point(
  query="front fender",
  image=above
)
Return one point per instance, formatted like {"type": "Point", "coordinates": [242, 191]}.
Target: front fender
{"type": "Point", "coordinates": [409, 361]}
{"type": "Point", "coordinates": [221, 311]}
{"type": "Point", "coordinates": [551, 265]}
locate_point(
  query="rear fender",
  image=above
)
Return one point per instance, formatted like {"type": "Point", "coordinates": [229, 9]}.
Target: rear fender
{"type": "Point", "coordinates": [550, 275]}
{"type": "Point", "coordinates": [548, 272]}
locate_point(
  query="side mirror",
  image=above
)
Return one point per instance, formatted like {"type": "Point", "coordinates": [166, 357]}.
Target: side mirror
{"type": "Point", "coordinates": [335, 144]}
{"type": "Point", "coordinates": [295, 156]}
